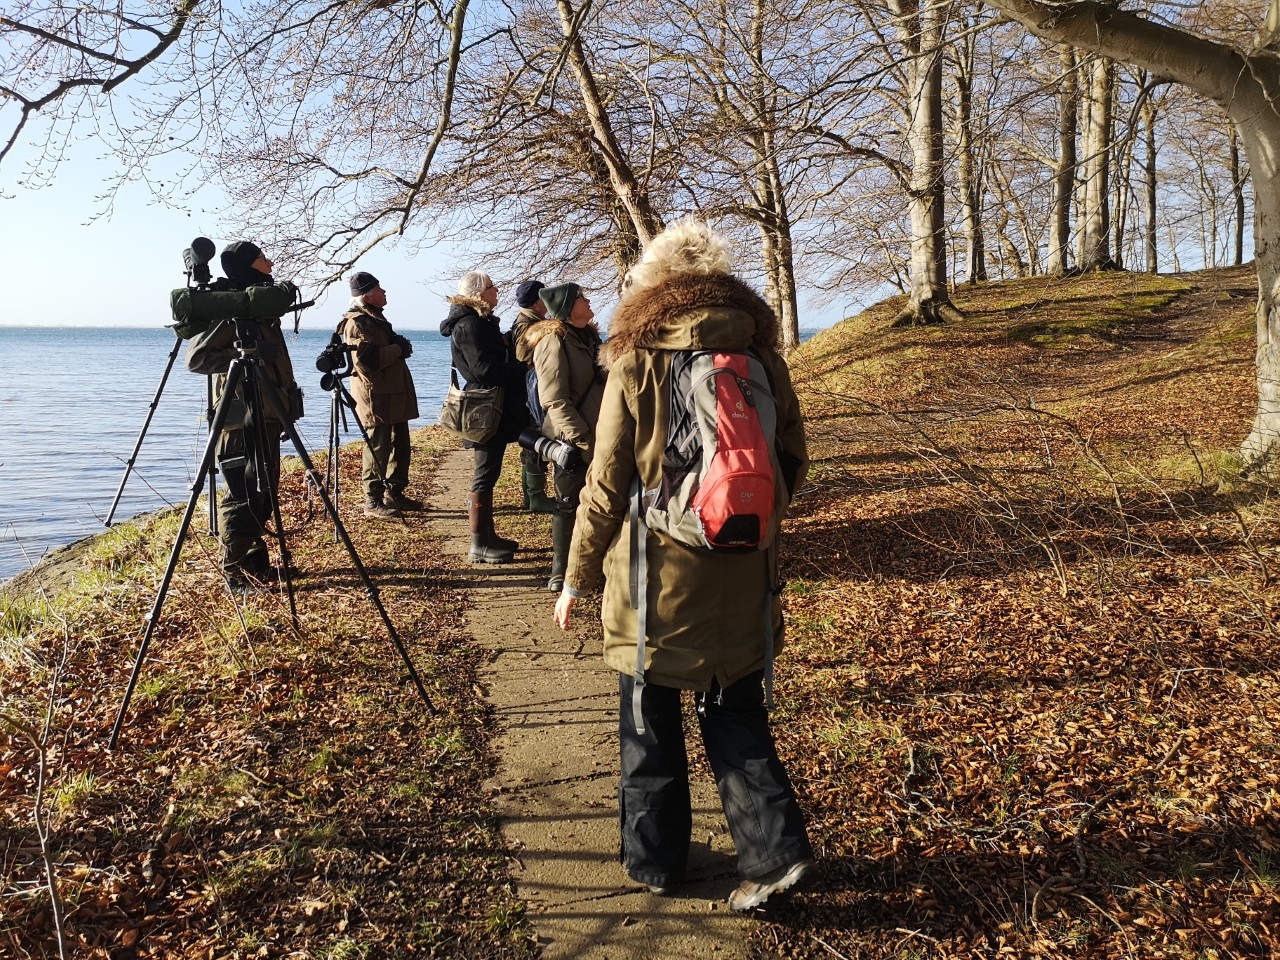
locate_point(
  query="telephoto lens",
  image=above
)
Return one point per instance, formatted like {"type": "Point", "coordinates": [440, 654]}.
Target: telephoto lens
{"type": "Point", "coordinates": [560, 452]}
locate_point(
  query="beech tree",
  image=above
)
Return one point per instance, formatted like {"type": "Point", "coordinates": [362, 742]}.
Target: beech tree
{"type": "Point", "coordinates": [1245, 82]}
{"type": "Point", "coordinates": [922, 28]}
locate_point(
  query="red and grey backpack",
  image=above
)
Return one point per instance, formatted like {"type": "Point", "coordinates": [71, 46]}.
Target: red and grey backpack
{"type": "Point", "coordinates": [719, 465]}
{"type": "Point", "coordinates": [720, 477]}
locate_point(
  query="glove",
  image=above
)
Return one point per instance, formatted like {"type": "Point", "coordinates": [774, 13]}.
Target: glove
{"type": "Point", "coordinates": [406, 348]}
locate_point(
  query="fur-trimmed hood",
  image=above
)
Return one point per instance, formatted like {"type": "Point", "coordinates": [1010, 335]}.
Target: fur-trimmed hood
{"type": "Point", "coordinates": [688, 311]}
{"type": "Point", "coordinates": [460, 307]}
{"type": "Point", "coordinates": [550, 327]}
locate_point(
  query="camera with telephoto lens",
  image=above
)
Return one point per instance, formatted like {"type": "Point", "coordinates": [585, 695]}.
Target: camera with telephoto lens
{"type": "Point", "coordinates": [335, 361]}
{"type": "Point", "coordinates": [336, 357]}
{"type": "Point", "coordinates": [560, 452]}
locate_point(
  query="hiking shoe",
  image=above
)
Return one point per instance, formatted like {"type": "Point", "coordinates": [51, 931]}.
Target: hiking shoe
{"type": "Point", "coordinates": [398, 501]}
{"type": "Point", "coordinates": [378, 509]}
{"type": "Point", "coordinates": [658, 891]}
{"type": "Point", "coordinates": [752, 893]}
{"type": "Point", "coordinates": [241, 585]}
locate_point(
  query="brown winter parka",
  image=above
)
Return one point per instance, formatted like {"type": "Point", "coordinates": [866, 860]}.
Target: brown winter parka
{"type": "Point", "coordinates": [705, 610]}
{"type": "Point", "coordinates": [382, 386]}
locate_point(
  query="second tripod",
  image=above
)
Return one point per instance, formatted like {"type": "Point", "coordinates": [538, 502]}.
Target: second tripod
{"type": "Point", "coordinates": [335, 364]}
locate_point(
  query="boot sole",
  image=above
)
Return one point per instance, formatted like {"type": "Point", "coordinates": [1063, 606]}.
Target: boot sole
{"type": "Point", "coordinates": [482, 559]}
{"type": "Point", "coordinates": [797, 878]}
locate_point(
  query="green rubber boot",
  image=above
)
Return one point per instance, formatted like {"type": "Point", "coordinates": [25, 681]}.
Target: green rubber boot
{"type": "Point", "coordinates": [535, 497]}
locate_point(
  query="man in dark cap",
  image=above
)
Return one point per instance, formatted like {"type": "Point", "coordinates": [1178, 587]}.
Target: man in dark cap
{"type": "Point", "coordinates": [248, 452]}
{"type": "Point", "coordinates": [386, 399]}
{"type": "Point", "coordinates": [533, 469]}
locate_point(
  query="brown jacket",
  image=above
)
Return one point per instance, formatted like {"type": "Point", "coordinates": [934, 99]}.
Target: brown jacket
{"type": "Point", "coordinates": [570, 381]}
{"type": "Point", "coordinates": [382, 386]}
{"type": "Point", "coordinates": [705, 610]}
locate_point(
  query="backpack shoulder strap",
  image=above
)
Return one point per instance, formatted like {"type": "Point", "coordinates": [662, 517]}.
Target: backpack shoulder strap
{"type": "Point", "coordinates": [639, 593]}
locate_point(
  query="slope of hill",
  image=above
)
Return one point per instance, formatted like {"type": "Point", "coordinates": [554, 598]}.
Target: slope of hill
{"type": "Point", "coordinates": [1030, 695]}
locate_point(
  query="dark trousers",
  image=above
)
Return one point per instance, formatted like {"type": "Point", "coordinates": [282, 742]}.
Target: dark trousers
{"type": "Point", "coordinates": [248, 497]}
{"type": "Point", "coordinates": [653, 797]}
{"type": "Point", "coordinates": [532, 461]}
{"type": "Point", "coordinates": [488, 466]}
{"type": "Point", "coordinates": [388, 449]}
{"type": "Point", "coordinates": [568, 486]}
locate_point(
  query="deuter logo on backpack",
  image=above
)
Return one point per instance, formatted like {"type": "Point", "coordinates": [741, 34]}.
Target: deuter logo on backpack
{"type": "Point", "coordinates": [719, 469]}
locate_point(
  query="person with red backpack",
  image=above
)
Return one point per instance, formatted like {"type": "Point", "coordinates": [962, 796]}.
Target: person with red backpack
{"type": "Point", "coordinates": [699, 449]}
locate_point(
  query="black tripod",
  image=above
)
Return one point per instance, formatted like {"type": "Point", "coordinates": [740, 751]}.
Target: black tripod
{"type": "Point", "coordinates": [246, 372]}
{"type": "Point", "coordinates": [335, 363]}
{"type": "Point", "coordinates": [133, 457]}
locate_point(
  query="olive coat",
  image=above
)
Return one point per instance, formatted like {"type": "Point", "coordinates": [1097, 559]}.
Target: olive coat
{"type": "Point", "coordinates": [570, 381]}
{"type": "Point", "coordinates": [382, 386]}
{"type": "Point", "coordinates": [212, 352]}
{"type": "Point", "coordinates": [706, 610]}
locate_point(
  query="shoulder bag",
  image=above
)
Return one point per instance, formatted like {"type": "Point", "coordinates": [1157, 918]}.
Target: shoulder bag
{"type": "Point", "coordinates": [472, 414]}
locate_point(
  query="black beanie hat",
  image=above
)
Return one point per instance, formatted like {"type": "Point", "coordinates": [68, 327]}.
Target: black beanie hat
{"type": "Point", "coordinates": [362, 283]}
{"type": "Point", "coordinates": [527, 293]}
{"type": "Point", "coordinates": [559, 299]}
{"type": "Point", "coordinates": [238, 259]}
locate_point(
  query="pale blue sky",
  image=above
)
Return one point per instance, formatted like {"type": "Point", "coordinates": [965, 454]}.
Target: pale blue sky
{"type": "Point", "coordinates": [118, 270]}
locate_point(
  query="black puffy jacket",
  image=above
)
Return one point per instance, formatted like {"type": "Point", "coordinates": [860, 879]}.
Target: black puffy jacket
{"type": "Point", "coordinates": [484, 359]}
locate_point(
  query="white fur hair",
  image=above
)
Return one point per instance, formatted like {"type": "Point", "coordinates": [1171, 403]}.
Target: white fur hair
{"type": "Point", "coordinates": [687, 246]}
{"type": "Point", "coordinates": [473, 283]}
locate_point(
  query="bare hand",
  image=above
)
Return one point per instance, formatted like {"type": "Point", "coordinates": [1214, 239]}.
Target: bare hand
{"type": "Point", "coordinates": [564, 607]}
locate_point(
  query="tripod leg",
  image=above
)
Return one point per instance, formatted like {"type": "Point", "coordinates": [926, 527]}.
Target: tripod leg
{"type": "Point", "coordinates": [151, 412]}
{"type": "Point", "coordinates": [268, 469]}
{"type": "Point", "coordinates": [234, 373]}
{"type": "Point", "coordinates": [213, 464]}
{"type": "Point", "coordinates": [370, 590]}
{"type": "Point", "coordinates": [337, 419]}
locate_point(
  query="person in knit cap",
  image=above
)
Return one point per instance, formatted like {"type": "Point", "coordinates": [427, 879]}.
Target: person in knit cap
{"type": "Point", "coordinates": [482, 355]}
{"type": "Point", "coordinates": [386, 399]}
{"type": "Point", "coordinates": [533, 469]}
{"type": "Point", "coordinates": [248, 452]}
{"type": "Point", "coordinates": [566, 347]}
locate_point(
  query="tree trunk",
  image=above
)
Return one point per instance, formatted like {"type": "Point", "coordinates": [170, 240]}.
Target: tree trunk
{"type": "Point", "coordinates": [1149, 179]}
{"type": "Point", "coordinates": [1095, 217]}
{"type": "Point", "coordinates": [922, 33]}
{"type": "Point", "coordinates": [968, 167]}
{"type": "Point", "coordinates": [626, 185]}
{"type": "Point", "coordinates": [1237, 191]}
{"type": "Point", "coordinates": [1064, 174]}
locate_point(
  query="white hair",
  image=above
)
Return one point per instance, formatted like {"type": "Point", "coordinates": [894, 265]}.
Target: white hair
{"type": "Point", "coordinates": [473, 283]}
{"type": "Point", "coordinates": [687, 246]}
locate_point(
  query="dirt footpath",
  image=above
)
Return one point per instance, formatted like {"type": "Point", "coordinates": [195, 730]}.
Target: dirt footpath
{"type": "Point", "coordinates": [556, 789]}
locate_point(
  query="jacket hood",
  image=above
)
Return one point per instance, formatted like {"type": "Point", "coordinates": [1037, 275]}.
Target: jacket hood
{"type": "Point", "coordinates": [551, 327]}
{"type": "Point", "coordinates": [687, 311]}
{"type": "Point", "coordinates": [460, 307]}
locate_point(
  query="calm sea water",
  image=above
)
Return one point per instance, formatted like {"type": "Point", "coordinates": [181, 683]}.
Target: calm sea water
{"type": "Point", "coordinates": [74, 399]}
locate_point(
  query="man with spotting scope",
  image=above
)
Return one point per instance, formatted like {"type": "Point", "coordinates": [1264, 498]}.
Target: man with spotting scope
{"type": "Point", "coordinates": [249, 497]}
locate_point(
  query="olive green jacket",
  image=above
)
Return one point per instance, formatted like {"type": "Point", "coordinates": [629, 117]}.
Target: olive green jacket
{"type": "Point", "coordinates": [570, 381]}
{"type": "Point", "coordinates": [212, 352]}
{"type": "Point", "coordinates": [706, 610]}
